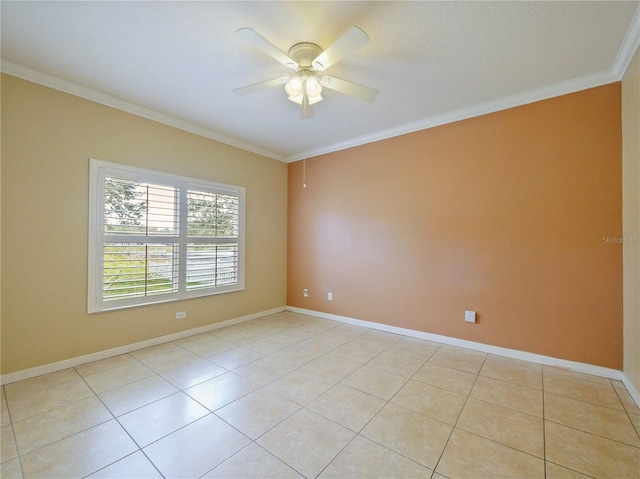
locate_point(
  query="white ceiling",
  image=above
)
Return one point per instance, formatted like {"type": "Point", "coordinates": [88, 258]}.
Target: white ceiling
{"type": "Point", "coordinates": [433, 62]}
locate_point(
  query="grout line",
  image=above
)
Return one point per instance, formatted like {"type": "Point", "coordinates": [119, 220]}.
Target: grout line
{"type": "Point", "coordinates": [464, 405]}
{"type": "Point", "coordinates": [593, 434]}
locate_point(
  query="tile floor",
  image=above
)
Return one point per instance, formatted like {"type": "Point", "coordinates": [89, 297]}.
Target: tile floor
{"type": "Point", "coordinates": [289, 396]}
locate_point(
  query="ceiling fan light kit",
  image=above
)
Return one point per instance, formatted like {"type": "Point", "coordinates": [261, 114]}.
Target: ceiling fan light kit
{"type": "Point", "coordinates": [307, 59]}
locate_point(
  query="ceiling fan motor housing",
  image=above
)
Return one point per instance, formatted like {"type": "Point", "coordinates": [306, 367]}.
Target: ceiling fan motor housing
{"type": "Point", "coordinates": [304, 53]}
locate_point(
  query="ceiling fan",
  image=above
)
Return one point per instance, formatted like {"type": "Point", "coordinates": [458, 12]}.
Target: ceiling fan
{"type": "Point", "coordinates": [309, 61]}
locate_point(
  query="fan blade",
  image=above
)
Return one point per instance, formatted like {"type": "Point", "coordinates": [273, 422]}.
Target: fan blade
{"type": "Point", "coordinates": [353, 39]}
{"type": "Point", "coordinates": [349, 88]}
{"type": "Point", "coordinates": [245, 90]}
{"type": "Point", "coordinates": [261, 43]}
{"type": "Point", "coordinates": [306, 110]}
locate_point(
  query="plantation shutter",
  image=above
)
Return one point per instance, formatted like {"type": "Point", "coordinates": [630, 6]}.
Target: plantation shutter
{"type": "Point", "coordinates": [161, 237]}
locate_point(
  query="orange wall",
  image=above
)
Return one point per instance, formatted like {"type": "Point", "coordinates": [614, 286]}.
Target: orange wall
{"type": "Point", "coordinates": [503, 214]}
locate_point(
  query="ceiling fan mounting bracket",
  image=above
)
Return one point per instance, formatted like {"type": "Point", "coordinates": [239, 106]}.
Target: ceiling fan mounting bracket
{"type": "Point", "coordinates": [304, 53]}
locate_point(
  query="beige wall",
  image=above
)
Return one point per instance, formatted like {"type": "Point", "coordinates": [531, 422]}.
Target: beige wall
{"type": "Point", "coordinates": [503, 214]}
{"type": "Point", "coordinates": [631, 218]}
{"type": "Point", "coordinates": [47, 140]}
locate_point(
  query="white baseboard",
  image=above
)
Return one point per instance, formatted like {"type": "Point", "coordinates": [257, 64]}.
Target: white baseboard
{"type": "Point", "coordinates": [87, 358]}
{"type": "Point", "coordinates": [485, 348]}
{"type": "Point", "coordinates": [633, 391]}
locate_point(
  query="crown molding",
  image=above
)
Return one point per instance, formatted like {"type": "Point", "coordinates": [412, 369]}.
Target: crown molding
{"type": "Point", "coordinates": [625, 55]}
{"type": "Point", "coordinates": [629, 46]}
{"type": "Point", "coordinates": [538, 94]}
{"type": "Point", "coordinates": [25, 73]}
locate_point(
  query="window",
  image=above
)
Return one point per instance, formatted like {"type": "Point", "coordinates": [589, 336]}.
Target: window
{"type": "Point", "coordinates": [155, 237]}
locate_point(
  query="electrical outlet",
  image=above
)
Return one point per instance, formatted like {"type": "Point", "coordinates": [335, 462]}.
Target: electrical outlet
{"type": "Point", "coordinates": [470, 316]}
{"type": "Point", "coordinates": [305, 292]}
{"type": "Point", "coordinates": [330, 296]}
{"type": "Point", "coordinates": [181, 315]}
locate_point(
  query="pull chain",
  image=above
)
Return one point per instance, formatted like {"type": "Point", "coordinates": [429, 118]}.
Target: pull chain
{"type": "Point", "coordinates": [304, 173]}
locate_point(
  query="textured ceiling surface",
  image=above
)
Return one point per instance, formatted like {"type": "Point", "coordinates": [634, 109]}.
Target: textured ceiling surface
{"type": "Point", "coordinates": [433, 62]}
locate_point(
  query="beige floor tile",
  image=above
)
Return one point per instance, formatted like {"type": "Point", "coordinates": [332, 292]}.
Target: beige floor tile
{"type": "Point", "coordinates": [45, 381]}
{"type": "Point", "coordinates": [196, 449]}
{"type": "Point", "coordinates": [316, 324]}
{"type": "Point", "coordinates": [221, 390]}
{"type": "Point", "coordinates": [300, 386]}
{"type": "Point", "coordinates": [344, 333]}
{"type": "Point", "coordinates": [158, 419]}
{"type": "Point", "coordinates": [512, 373]}
{"type": "Point", "coordinates": [269, 329]}
{"type": "Point", "coordinates": [451, 379]}
{"type": "Point", "coordinates": [265, 370]}
{"type": "Point", "coordinates": [470, 362]}
{"type": "Point", "coordinates": [590, 454]}
{"type": "Point", "coordinates": [95, 367]}
{"type": "Point", "coordinates": [46, 428]}
{"type": "Point", "coordinates": [27, 402]}
{"type": "Point", "coordinates": [471, 456]}
{"type": "Point", "coordinates": [205, 344]}
{"type": "Point", "coordinates": [116, 377]}
{"type": "Point", "coordinates": [135, 466]}
{"type": "Point", "coordinates": [396, 363]}
{"type": "Point", "coordinates": [576, 375]}
{"type": "Point", "coordinates": [257, 412]}
{"type": "Point", "coordinates": [195, 373]}
{"type": "Point", "coordinates": [515, 362]}
{"type": "Point", "coordinates": [431, 401]}
{"type": "Point", "coordinates": [359, 351]}
{"type": "Point", "coordinates": [322, 343]}
{"type": "Point", "coordinates": [438, 476]}
{"type": "Point", "coordinates": [11, 469]}
{"type": "Point", "coordinates": [4, 410]}
{"type": "Point", "coordinates": [506, 426]}
{"type": "Point", "coordinates": [267, 345]}
{"type": "Point", "coordinates": [306, 441]}
{"type": "Point", "coordinates": [588, 391]}
{"type": "Point", "coordinates": [364, 458]}
{"type": "Point", "coordinates": [383, 338]}
{"type": "Point", "coordinates": [294, 335]}
{"type": "Point", "coordinates": [329, 341]}
{"type": "Point", "coordinates": [588, 417]}
{"type": "Point", "coordinates": [346, 406]}
{"type": "Point", "coordinates": [414, 348]}
{"type": "Point", "coordinates": [7, 444]}
{"type": "Point", "coordinates": [290, 318]}
{"type": "Point", "coordinates": [558, 472]}
{"type": "Point", "coordinates": [420, 438]}
{"type": "Point", "coordinates": [635, 420]}
{"type": "Point", "coordinates": [81, 454]}
{"type": "Point", "coordinates": [234, 358]}
{"type": "Point", "coordinates": [138, 394]}
{"type": "Point", "coordinates": [374, 381]}
{"type": "Point", "coordinates": [243, 336]}
{"type": "Point", "coordinates": [166, 357]}
{"type": "Point", "coordinates": [627, 401]}
{"type": "Point", "coordinates": [332, 366]}
{"type": "Point", "coordinates": [299, 354]}
{"type": "Point", "coordinates": [253, 462]}
{"type": "Point", "coordinates": [228, 330]}
{"type": "Point", "coordinates": [509, 395]}
{"type": "Point", "coordinates": [463, 350]}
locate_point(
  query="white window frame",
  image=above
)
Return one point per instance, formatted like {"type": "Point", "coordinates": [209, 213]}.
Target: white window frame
{"type": "Point", "coordinates": [98, 170]}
